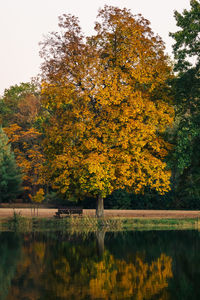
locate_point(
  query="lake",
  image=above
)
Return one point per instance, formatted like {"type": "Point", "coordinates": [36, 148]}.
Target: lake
{"type": "Point", "coordinates": [112, 265]}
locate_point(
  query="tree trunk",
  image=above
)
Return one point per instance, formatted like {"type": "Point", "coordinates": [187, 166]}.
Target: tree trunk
{"type": "Point", "coordinates": [100, 234]}
{"type": "Point", "coordinates": [100, 209]}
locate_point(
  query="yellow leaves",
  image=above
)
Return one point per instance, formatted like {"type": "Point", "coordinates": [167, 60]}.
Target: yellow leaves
{"type": "Point", "coordinates": [91, 144]}
{"type": "Point", "coordinates": [39, 196]}
{"type": "Point", "coordinates": [55, 95]}
{"type": "Point", "coordinates": [109, 106]}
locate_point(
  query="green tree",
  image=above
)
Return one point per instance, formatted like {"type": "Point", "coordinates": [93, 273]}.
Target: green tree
{"type": "Point", "coordinates": [186, 157]}
{"type": "Point", "coordinates": [13, 101]}
{"type": "Point", "coordinates": [10, 177]}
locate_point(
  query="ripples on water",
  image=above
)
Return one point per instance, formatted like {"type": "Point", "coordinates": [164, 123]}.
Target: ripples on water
{"type": "Point", "coordinates": [126, 265]}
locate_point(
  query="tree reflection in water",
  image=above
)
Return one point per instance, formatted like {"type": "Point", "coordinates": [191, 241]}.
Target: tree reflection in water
{"type": "Point", "coordinates": [10, 254]}
{"type": "Point", "coordinates": [66, 266]}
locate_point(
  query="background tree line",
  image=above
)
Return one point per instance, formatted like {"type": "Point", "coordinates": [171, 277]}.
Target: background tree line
{"type": "Point", "coordinates": [112, 119]}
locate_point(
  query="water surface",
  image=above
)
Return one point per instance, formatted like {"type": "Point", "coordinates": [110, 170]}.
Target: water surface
{"type": "Point", "coordinates": [125, 265]}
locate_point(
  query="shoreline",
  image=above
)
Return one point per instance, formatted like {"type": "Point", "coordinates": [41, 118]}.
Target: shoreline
{"type": "Point", "coordinates": [111, 213]}
{"type": "Point", "coordinates": [22, 220]}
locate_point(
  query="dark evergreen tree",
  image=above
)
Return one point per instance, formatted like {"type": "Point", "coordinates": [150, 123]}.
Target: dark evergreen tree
{"type": "Point", "coordinates": [10, 177]}
{"type": "Point", "coordinates": [186, 158]}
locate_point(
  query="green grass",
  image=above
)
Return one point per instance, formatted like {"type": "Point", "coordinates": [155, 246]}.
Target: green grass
{"type": "Point", "coordinates": [157, 224]}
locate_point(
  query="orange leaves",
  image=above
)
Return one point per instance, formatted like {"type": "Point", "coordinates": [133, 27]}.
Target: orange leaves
{"type": "Point", "coordinates": [13, 132]}
{"type": "Point", "coordinates": [28, 109]}
{"type": "Point", "coordinates": [16, 133]}
{"type": "Point", "coordinates": [27, 149]}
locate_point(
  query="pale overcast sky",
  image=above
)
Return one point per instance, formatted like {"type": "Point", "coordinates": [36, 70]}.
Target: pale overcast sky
{"type": "Point", "coordinates": [23, 23]}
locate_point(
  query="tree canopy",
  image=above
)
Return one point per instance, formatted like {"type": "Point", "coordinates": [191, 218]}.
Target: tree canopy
{"type": "Point", "coordinates": [10, 178]}
{"type": "Point", "coordinates": [20, 117]}
{"type": "Point", "coordinates": [187, 89]}
{"type": "Point", "coordinates": [109, 104]}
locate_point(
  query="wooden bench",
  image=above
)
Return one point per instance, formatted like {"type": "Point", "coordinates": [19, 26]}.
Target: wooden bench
{"type": "Point", "coordinates": [68, 211]}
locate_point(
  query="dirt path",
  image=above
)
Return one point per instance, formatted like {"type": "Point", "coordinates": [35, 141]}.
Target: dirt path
{"type": "Point", "coordinates": [49, 212]}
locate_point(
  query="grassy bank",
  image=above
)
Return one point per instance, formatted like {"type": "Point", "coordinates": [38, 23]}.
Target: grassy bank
{"type": "Point", "coordinates": [86, 223]}
{"type": "Point", "coordinates": [158, 224]}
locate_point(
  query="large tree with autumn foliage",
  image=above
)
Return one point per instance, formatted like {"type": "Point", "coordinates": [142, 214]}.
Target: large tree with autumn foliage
{"type": "Point", "coordinates": [109, 105]}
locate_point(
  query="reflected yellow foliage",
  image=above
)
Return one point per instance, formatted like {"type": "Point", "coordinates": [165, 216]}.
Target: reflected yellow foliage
{"type": "Point", "coordinates": [70, 276]}
{"type": "Point", "coordinates": [39, 249]}
{"type": "Point", "coordinates": [116, 278]}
